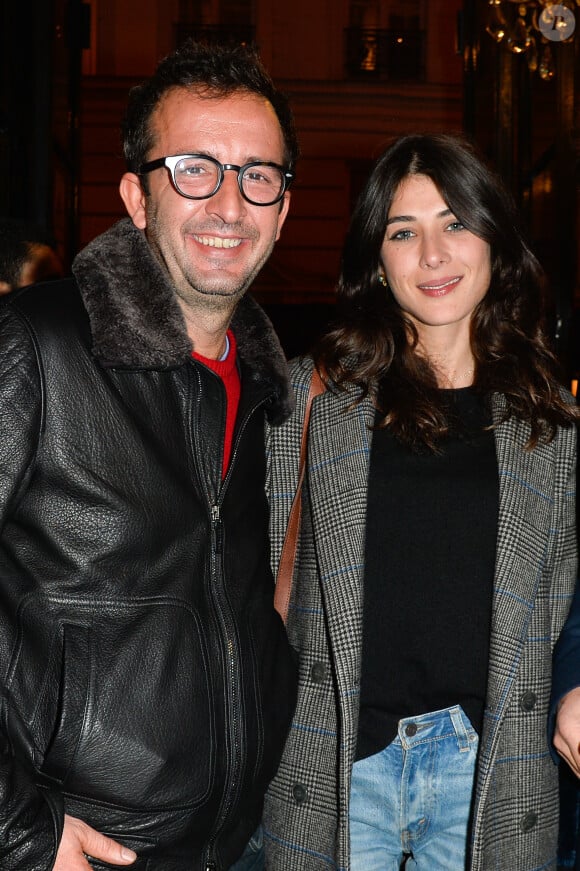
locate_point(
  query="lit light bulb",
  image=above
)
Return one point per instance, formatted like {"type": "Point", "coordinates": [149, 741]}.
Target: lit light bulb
{"type": "Point", "coordinates": [532, 56]}
{"type": "Point", "coordinates": [519, 39]}
{"type": "Point", "coordinates": [546, 68]}
{"type": "Point", "coordinates": [496, 25]}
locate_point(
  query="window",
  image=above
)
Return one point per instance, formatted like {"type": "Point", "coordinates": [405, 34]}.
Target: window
{"type": "Point", "coordinates": [385, 40]}
{"type": "Point", "coordinates": [216, 21]}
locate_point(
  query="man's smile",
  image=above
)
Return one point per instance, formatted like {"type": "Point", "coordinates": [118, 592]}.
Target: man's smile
{"type": "Point", "coordinates": [217, 241]}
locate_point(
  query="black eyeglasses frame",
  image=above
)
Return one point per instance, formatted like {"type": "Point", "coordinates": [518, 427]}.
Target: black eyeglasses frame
{"type": "Point", "coordinates": [171, 161]}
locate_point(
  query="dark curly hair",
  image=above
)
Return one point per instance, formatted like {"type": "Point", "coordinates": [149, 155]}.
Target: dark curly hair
{"type": "Point", "coordinates": [212, 70]}
{"type": "Point", "coordinates": [372, 344]}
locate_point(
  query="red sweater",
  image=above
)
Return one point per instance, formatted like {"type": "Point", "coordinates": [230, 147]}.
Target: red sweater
{"type": "Point", "coordinates": [228, 371]}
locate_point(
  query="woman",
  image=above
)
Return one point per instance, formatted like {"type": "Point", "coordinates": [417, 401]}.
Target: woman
{"type": "Point", "coordinates": [437, 553]}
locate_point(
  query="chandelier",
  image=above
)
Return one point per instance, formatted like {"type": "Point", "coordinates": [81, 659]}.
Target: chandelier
{"type": "Point", "coordinates": [533, 29]}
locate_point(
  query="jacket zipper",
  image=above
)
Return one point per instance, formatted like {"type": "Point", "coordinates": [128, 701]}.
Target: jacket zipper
{"type": "Point", "coordinates": [231, 786]}
{"type": "Point", "coordinates": [232, 670]}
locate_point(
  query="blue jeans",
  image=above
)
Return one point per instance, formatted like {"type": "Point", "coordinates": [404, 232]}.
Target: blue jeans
{"type": "Point", "coordinates": [252, 859]}
{"type": "Point", "coordinates": [412, 800]}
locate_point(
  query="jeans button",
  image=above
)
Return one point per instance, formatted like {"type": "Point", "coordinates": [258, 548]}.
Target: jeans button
{"type": "Point", "coordinates": [411, 730]}
{"type": "Point", "coordinates": [299, 792]}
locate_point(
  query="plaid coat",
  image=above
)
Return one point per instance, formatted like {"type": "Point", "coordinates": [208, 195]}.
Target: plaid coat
{"type": "Point", "coordinates": [515, 817]}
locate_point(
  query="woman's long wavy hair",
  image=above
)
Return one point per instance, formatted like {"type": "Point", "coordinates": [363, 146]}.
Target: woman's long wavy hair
{"type": "Point", "coordinates": [372, 344]}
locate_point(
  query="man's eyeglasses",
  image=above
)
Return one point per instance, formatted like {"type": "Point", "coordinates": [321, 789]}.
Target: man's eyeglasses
{"type": "Point", "coordinates": [198, 177]}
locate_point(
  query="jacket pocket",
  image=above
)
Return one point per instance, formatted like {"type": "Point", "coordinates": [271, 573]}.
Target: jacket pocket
{"type": "Point", "coordinates": [48, 697]}
{"type": "Point", "coordinates": [72, 704]}
{"type": "Point", "coordinates": [116, 701]}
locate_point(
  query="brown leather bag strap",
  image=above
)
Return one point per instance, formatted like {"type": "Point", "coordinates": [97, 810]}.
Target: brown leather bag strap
{"type": "Point", "coordinates": [290, 546]}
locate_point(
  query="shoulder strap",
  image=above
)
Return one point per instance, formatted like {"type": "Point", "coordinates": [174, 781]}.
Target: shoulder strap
{"type": "Point", "coordinates": [288, 555]}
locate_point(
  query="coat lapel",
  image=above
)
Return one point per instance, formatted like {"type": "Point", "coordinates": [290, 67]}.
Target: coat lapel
{"type": "Point", "coordinates": [525, 508]}
{"type": "Point", "coordinates": [340, 441]}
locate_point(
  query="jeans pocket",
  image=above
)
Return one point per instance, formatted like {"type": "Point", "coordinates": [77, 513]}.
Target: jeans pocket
{"type": "Point", "coordinates": [252, 859]}
{"type": "Point", "coordinates": [256, 842]}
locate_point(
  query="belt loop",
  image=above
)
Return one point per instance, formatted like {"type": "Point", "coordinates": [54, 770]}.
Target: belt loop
{"type": "Point", "coordinates": [460, 728]}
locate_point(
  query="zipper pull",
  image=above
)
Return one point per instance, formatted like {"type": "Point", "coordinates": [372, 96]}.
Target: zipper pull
{"type": "Point", "coordinates": [216, 522]}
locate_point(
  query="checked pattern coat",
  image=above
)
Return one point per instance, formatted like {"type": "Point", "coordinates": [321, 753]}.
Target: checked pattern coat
{"type": "Point", "coordinates": [515, 816]}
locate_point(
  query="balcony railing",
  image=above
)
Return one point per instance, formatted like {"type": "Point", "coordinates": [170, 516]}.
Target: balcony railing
{"type": "Point", "coordinates": [397, 55]}
{"type": "Point", "coordinates": [215, 33]}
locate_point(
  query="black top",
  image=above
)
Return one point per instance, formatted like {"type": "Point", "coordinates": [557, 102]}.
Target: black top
{"type": "Point", "coordinates": [429, 566]}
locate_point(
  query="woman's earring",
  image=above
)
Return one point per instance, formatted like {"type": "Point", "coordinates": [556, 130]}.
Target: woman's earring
{"type": "Point", "coordinates": [383, 279]}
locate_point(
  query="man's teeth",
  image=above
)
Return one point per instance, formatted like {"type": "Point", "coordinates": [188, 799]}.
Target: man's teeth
{"type": "Point", "coordinates": [218, 241]}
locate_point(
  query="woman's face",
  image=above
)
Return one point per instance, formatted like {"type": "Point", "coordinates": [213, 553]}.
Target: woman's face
{"type": "Point", "coordinates": [437, 270]}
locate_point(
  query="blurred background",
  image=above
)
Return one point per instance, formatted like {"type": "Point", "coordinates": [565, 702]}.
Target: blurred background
{"type": "Point", "coordinates": [359, 72]}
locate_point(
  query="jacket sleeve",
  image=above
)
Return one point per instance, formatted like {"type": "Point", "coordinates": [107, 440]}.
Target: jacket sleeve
{"type": "Point", "coordinates": [566, 664]}
{"type": "Point", "coordinates": [30, 817]}
{"type": "Point", "coordinates": [283, 460]}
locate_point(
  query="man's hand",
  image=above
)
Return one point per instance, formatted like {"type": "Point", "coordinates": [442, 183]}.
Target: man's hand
{"type": "Point", "coordinates": [567, 731]}
{"type": "Point", "coordinates": [79, 841]}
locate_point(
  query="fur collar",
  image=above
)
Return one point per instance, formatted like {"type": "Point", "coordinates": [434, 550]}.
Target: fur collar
{"type": "Point", "coordinates": [136, 321]}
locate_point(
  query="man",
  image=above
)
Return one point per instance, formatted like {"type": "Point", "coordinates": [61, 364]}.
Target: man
{"type": "Point", "coordinates": [147, 681]}
{"type": "Point", "coordinates": [27, 255]}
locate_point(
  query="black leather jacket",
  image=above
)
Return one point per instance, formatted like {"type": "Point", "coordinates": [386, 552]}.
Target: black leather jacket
{"type": "Point", "coordinates": [147, 683]}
